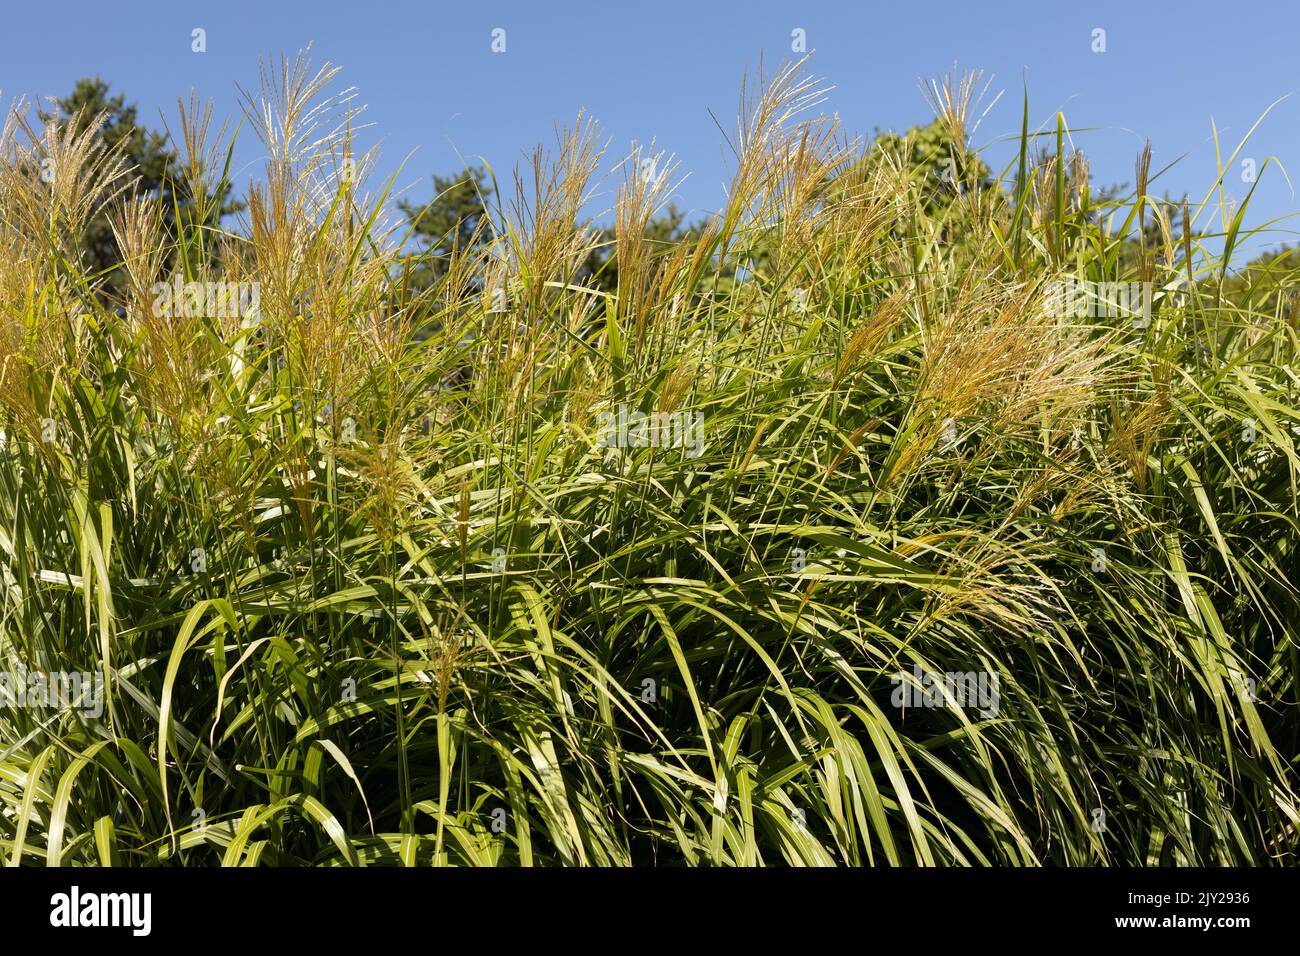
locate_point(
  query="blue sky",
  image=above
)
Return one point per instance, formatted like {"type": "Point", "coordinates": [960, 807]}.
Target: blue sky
{"type": "Point", "coordinates": [655, 70]}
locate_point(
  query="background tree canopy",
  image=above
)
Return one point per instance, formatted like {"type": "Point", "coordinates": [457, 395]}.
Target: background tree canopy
{"type": "Point", "coordinates": [153, 167]}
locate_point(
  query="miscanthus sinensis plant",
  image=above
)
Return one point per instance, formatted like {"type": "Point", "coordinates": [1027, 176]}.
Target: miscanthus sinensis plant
{"type": "Point", "coordinates": [832, 534]}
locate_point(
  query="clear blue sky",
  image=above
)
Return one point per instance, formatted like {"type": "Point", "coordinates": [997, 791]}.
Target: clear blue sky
{"type": "Point", "coordinates": [647, 70]}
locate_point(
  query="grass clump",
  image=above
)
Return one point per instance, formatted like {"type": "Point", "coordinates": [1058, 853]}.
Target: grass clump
{"type": "Point", "coordinates": [512, 569]}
